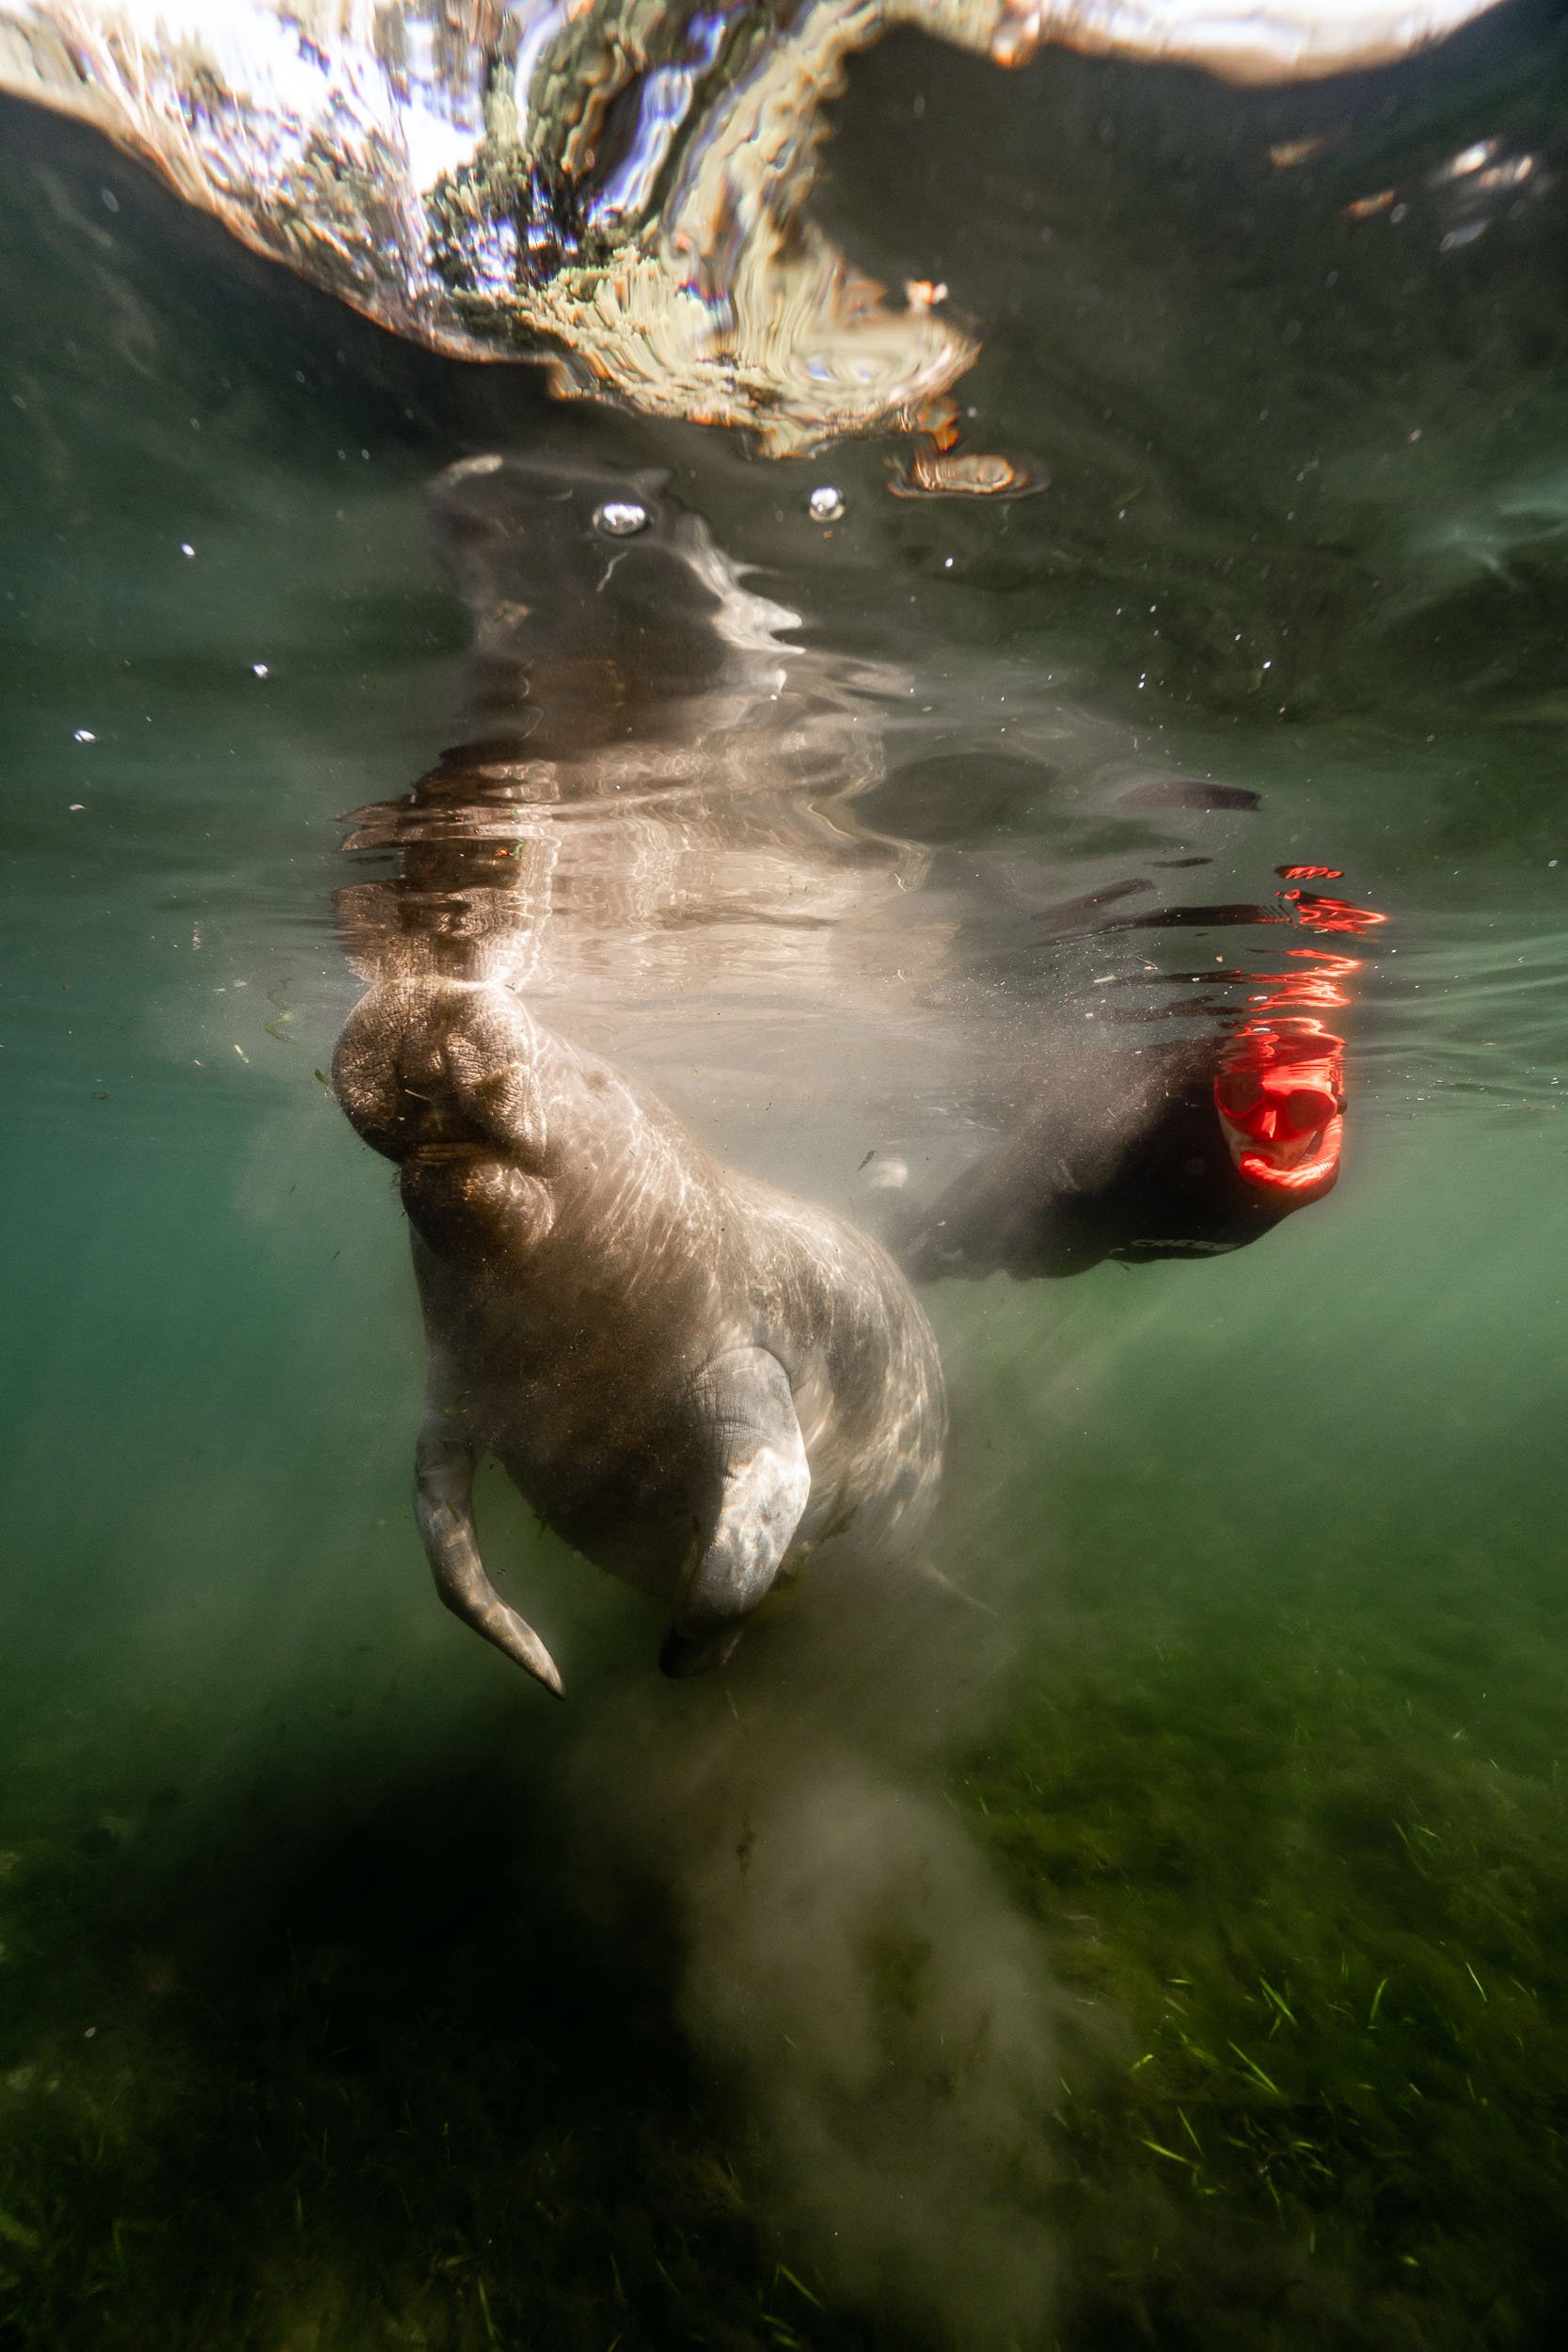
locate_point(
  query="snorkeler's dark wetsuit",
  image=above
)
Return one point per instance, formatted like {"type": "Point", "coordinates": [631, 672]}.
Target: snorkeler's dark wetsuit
{"type": "Point", "coordinates": [1185, 1151]}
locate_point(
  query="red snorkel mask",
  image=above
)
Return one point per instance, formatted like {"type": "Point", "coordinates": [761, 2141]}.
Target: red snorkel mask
{"type": "Point", "coordinates": [1280, 1091]}
{"type": "Point", "coordinates": [1281, 1104]}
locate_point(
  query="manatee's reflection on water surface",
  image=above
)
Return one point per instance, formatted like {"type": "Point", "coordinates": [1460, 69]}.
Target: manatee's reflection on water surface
{"type": "Point", "coordinates": [670, 824]}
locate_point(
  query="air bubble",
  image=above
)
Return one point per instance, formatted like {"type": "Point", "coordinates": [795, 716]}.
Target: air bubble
{"type": "Point", "coordinates": [621, 518]}
{"type": "Point", "coordinates": [826, 504]}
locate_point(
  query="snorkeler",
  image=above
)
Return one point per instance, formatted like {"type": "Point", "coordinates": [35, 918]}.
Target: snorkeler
{"type": "Point", "coordinates": [1190, 1150]}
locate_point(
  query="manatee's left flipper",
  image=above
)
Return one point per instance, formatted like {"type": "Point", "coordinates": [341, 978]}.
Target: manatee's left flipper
{"type": "Point", "coordinates": [763, 1486]}
{"type": "Point", "coordinates": [443, 1505]}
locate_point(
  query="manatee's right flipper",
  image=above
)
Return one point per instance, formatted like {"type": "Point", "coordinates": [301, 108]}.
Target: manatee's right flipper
{"type": "Point", "coordinates": [764, 1484]}
{"type": "Point", "coordinates": [443, 1505]}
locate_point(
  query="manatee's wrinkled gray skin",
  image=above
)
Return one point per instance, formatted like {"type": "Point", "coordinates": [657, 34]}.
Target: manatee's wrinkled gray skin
{"type": "Point", "coordinates": [693, 1379]}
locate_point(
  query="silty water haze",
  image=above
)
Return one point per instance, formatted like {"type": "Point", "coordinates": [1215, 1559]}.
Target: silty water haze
{"type": "Point", "coordinates": [356, 2001]}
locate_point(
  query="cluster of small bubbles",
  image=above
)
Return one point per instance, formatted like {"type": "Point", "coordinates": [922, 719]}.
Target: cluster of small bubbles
{"type": "Point", "coordinates": [825, 504]}
{"type": "Point", "coordinates": [621, 518]}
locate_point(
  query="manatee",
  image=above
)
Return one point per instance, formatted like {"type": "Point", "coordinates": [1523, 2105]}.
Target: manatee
{"type": "Point", "coordinates": [695, 1379]}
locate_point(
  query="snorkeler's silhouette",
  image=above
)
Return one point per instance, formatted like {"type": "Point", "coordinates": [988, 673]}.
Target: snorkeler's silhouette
{"type": "Point", "coordinates": [1187, 1150]}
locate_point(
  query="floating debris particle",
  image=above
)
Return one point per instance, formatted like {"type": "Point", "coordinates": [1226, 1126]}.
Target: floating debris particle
{"type": "Point", "coordinates": [933, 473]}
{"type": "Point", "coordinates": [282, 1015]}
{"type": "Point", "coordinates": [1287, 154]}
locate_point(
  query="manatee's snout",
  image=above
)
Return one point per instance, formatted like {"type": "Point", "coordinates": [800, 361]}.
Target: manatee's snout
{"type": "Point", "coordinates": [440, 1066]}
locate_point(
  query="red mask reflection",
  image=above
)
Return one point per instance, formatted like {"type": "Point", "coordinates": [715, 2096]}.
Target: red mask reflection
{"type": "Point", "coordinates": [1280, 1091]}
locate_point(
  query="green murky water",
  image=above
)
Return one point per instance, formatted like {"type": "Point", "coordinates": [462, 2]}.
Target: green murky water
{"type": "Point", "coordinates": [349, 1999]}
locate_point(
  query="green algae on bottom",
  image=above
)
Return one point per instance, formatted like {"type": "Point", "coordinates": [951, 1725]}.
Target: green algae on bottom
{"type": "Point", "coordinates": [1309, 1935]}
{"type": "Point", "coordinates": [299, 2078]}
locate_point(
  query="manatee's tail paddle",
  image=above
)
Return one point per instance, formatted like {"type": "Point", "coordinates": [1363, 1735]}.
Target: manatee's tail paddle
{"type": "Point", "coordinates": [443, 1504]}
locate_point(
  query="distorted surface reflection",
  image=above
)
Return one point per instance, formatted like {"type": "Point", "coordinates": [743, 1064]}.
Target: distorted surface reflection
{"type": "Point", "coordinates": [621, 190]}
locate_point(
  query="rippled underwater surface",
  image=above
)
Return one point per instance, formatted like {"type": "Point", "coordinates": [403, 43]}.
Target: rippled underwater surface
{"type": "Point", "coordinates": [1174, 1955]}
